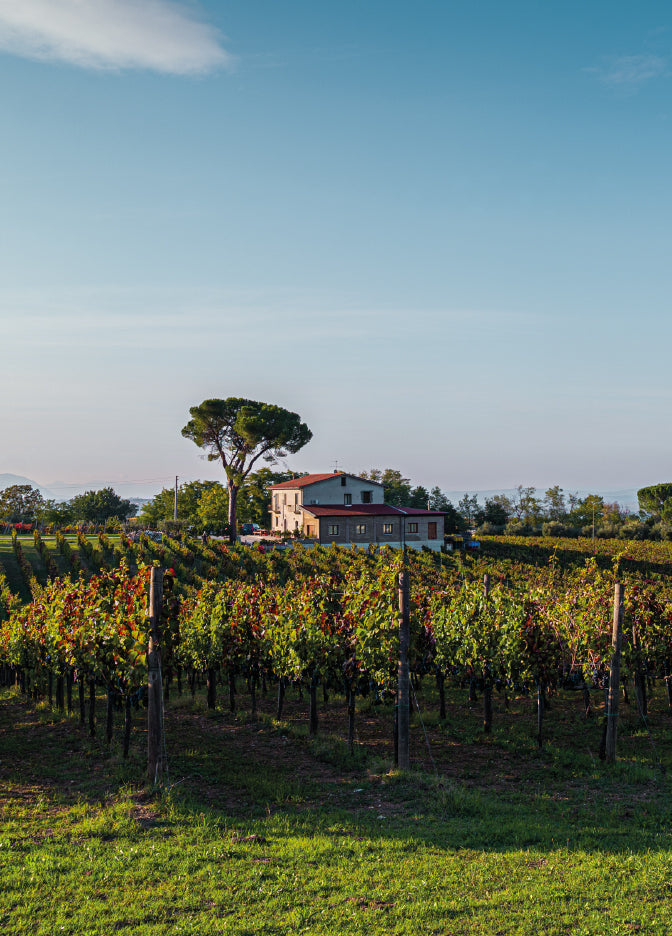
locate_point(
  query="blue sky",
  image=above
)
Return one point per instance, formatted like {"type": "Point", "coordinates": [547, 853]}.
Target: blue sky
{"type": "Point", "coordinates": [438, 231]}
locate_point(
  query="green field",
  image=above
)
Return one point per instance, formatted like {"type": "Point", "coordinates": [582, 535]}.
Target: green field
{"type": "Point", "coordinates": [261, 829]}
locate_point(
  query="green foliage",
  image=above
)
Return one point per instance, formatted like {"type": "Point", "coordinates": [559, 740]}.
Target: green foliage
{"type": "Point", "coordinates": [21, 503]}
{"type": "Point", "coordinates": [656, 501]}
{"type": "Point", "coordinates": [237, 432]}
{"type": "Point", "coordinates": [98, 506]}
{"type": "Point", "coordinates": [397, 490]}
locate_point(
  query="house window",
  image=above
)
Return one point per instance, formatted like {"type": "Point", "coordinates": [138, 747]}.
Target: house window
{"type": "Point", "coordinates": [366, 497]}
{"type": "Point", "coordinates": [360, 529]}
{"type": "Point", "coordinates": [333, 529]}
{"type": "Point", "coordinates": [412, 527]}
{"type": "Point", "coordinates": [347, 499]}
{"type": "Point", "coordinates": [387, 528]}
{"type": "Point", "coordinates": [342, 480]}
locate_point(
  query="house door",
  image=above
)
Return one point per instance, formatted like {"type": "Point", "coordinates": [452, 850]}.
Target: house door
{"type": "Point", "coordinates": [431, 529]}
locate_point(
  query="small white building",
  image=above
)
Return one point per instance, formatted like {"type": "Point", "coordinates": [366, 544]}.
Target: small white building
{"type": "Point", "coordinates": [345, 509]}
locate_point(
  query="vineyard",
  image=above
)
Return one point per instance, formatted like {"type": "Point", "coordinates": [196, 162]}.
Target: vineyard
{"type": "Point", "coordinates": [279, 810]}
{"type": "Point", "coordinates": [519, 619]}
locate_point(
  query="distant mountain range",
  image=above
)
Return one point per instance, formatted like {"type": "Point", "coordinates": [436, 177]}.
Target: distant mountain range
{"type": "Point", "coordinates": [60, 491]}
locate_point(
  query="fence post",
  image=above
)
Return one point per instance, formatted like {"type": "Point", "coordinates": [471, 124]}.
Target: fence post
{"type": "Point", "coordinates": [155, 742]}
{"type": "Point", "coordinates": [614, 674]}
{"type": "Point", "coordinates": [487, 677]}
{"type": "Point", "coordinates": [403, 693]}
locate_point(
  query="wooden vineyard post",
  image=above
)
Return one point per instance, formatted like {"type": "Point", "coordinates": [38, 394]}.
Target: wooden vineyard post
{"type": "Point", "coordinates": [155, 742]}
{"type": "Point", "coordinates": [487, 679]}
{"type": "Point", "coordinates": [403, 690]}
{"type": "Point", "coordinates": [614, 674]}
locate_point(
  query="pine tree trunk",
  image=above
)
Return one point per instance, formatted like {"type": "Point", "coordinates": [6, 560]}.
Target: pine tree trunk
{"type": "Point", "coordinates": [233, 501]}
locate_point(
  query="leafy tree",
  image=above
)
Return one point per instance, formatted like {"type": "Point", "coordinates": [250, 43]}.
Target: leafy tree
{"type": "Point", "coordinates": [213, 508]}
{"type": "Point", "coordinates": [438, 500]}
{"type": "Point", "coordinates": [419, 497]}
{"type": "Point", "coordinates": [254, 498]}
{"type": "Point", "coordinates": [554, 503]}
{"type": "Point", "coordinates": [189, 494]}
{"type": "Point", "coordinates": [21, 503]}
{"type": "Point", "coordinates": [468, 509]}
{"type": "Point", "coordinates": [59, 513]}
{"type": "Point", "coordinates": [397, 490]}
{"type": "Point", "coordinates": [526, 507]}
{"type": "Point", "coordinates": [98, 506]}
{"type": "Point", "coordinates": [453, 522]}
{"type": "Point", "coordinates": [497, 510]}
{"type": "Point", "coordinates": [586, 510]}
{"type": "Point", "coordinates": [238, 432]}
{"type": "Point", "coordinates": [656, 501]}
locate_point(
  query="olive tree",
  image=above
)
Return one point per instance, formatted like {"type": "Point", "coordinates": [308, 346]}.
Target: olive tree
{"type": "Point", "coordinates": [238, 432]}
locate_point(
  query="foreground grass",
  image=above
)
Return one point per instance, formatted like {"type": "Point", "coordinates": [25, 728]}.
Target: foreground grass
{"type": "Point", "coordinates": [258, 833]}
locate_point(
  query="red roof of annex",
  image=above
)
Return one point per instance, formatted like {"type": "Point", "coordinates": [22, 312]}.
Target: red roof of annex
{"type": "Point", "coordinates": [367, 510]}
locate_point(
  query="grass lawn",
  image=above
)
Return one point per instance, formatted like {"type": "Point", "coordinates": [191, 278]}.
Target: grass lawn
{"type": "Point", "coordinates": [260, 829]}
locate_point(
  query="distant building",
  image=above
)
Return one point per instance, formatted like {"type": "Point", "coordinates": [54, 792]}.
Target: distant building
{"type": "Point", "coordinates": [345, 509]}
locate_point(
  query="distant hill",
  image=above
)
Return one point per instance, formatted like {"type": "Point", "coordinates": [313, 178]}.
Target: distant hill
{"type": "Point", "coordinates": [9, 480]}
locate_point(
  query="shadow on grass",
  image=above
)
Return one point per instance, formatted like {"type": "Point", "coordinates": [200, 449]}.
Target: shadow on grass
{"type": "Point", "coordinates": [244, 770]}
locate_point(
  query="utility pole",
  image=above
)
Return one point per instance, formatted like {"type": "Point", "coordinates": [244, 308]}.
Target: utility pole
{"type": "Point", "coordinates": [175, 500]}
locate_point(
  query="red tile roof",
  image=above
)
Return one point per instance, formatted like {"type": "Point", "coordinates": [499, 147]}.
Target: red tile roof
{"type": "Point", "coordinates": [359, 510]}
{"type": "Point", "coordinates": [314, 478]}
{"type": "Point", "coordinates": [366, 510]}
{"type": "Point", "coordinates": [306, 479]}
{"type": "Point", "coordinates": [420, 512]}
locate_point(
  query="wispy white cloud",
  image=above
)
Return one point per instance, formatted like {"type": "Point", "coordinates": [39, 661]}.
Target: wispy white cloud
{"type": "Point", "coordinates": [160, 35]}
{"type": "Point", "coordinates": [630, 71]}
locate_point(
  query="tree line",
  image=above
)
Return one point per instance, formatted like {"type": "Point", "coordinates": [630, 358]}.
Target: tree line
{"type": "Point", "coordinates": [22, 503]}
{"type": "Point", "coordinates": [204, 505]}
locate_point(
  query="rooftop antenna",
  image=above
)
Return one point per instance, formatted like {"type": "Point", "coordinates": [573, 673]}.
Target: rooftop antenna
{"type": "Point", "coordinates": [336, 469]}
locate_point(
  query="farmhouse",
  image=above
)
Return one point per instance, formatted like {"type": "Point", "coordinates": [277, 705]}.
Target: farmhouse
{"type": "Point", "coordinates": [345, 509]}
